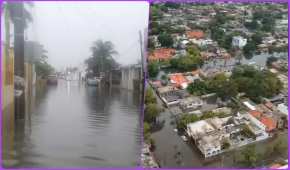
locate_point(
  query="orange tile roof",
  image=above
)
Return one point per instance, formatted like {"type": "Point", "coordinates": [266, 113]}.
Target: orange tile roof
{"type": "Point", "coordinates": [161, 54]}
{"type": "Point", "coordinates": [198, 34]}
{"type": "Point", "coordinates": [255, 113]}
{"type": "Point", "coordinates": [178, 79]}
{"type": "Point", "coordinates": [269, 123]}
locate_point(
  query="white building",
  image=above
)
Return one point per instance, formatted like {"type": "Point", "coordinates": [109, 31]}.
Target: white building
{"type": "Point", "coordinates": [239, 41]}
{"type": "Point", "coordinates": [283, 109]}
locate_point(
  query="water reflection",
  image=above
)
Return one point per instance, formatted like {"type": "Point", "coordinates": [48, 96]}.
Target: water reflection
{"type": "Point", "coordinates": [73, 125]}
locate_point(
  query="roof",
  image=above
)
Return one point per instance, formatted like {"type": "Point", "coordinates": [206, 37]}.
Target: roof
{"type": "Point", "coordinates": [199, 128]}
{"type": "Point", "coordinates": [255, 113]}
{"type": "Point", "coordinates": [197, 34]}
{"type": "Point", "coordinates": [178, 79]}
{"type": "Point", "coordinates": [249, 105]}
{"type": "Point", "coordinates": [269, 105]}
{"type": "Point", "coordinates": [283, 108]}
{"type": "Point", "coordinates": [270, 123]}
{"type": "Point", "coordinates": [162, 53]}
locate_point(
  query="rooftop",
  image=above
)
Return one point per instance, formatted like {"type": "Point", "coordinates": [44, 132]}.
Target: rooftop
{"type": "Point", "coordinates": [269, 122]}
{"type": "Point", "coordinates": [195, 34]}
{"type": "Point", "coordinates": [162, 54]}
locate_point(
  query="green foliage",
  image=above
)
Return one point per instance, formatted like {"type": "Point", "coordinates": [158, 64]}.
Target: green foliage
{"type": "Point", "coordinates": [222, 86]}
{"type": "Point", "coordinates": [165, 40]}
{"type": "Point", "coordinates": [198, 88]}
{"type": "Point", "coordinates": [249, 49]}
{"type": "Point", "coordinates": [43, 69]}
{"type": "Point", "coordinates": [149, 96]}
{"type": "Point", "coordinates": [213, 114]}
{"type": "Point", "coordinates": [247, 132]}
{"type": "Point", "coordinates": [250, 157]}
{"type": "Point", "coordinates": [164, 77]}
{"type": "Point", "coordinates": [186, 119]}
{"type": "Point", "coordinates": [268, 24]}
{"type": "Point", "coordinates": [191, 61]}
{"type": "Point", "coordinates": [254, 25]}
{"type": "Point", "coordinates": [256, 83]}
{"type": "Point", "coordinates": [280, 146]}
{"type": "Point", "coordinates": [153, 69]}
{"type": "Point", "coordinates": [146, 131]}
{"type": "Point", "coordinates": [172, 5]}
{"type": "Point", "coordinates": [151, 112]}
{"type": "Point", "coordinates": [101, 60]}
{"type": "Point", "coordinates": [270, 60]}
{"type": "Point", "coordinates": [226, 145]}
{"type": "Point", "coordinates": [257, 38]}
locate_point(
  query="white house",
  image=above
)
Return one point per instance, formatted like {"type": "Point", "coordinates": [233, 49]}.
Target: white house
{"type": "Point", "coordinates": [283, 109]}
{"type": "Point", "coordinates": [239, 41]}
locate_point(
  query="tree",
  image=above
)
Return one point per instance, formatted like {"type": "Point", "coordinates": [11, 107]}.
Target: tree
{"type": "Point", "coordinates": [256, 83]}
{"type": "Point", "coordinates": [102, 60]}
{"type": "Point", "coordinates": [223, 87]}
{"type": "Point", "coordinates": [257, 38]}
{"type": "Point", "coordinates": [254, 25]}
{"type": "Point", "coordinates": [249, 49]}
{"type": "Point", "coordinates": [186, 63]}
{"type": "Point", "coordinates": [146, 130]}
{"type": "Point", "coordinates": [172, 5]}
{"type": "Point", "coordinates": [153, 69]}
{"type": "Point", "coordinates": [210, 114]}
{"type": "Point", "coordinates": [193, 51]}
{"type": "Point", "coordinates": [270, 60]}
{"type": "Point", "coordinates": [149, 96]}
{"type": "Point", "coordinates": [198, 87]}
{"type": "Point", "coordinates": [268, 24]}
{"type": "Point", "coordinates": [43, 69]}
{"type": "Point", "coordinates": [165, 40]}
{"type": "Point", "coordinates": [226, 145]}
{"type": "Point", "coordinates": [250, 157]}
{"type": "Point", "coordinates": [186, 119]}
{"type": "Point", "coordinates": [151, 112]}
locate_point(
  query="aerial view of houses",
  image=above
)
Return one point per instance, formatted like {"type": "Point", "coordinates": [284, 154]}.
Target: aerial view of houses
{"type": "Point", "coordinates": [217, 86]}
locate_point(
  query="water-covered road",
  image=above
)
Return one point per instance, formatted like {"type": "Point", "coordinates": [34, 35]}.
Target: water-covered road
{"type": "Point", "coordinates": [73, 125]}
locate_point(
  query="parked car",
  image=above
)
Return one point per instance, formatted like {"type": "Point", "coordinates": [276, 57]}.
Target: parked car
{"type": "Point", "coordinates": [52, 79]}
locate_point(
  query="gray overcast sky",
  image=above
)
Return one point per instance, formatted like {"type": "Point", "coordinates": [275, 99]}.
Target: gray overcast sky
{"type": "Point", "coordinates": [67, 29]}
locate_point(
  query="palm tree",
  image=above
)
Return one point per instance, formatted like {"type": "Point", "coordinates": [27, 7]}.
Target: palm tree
{"type": "Point", "coordinates": [102, 57]}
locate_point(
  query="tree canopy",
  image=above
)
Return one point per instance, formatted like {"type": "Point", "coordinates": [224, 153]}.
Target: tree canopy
{"type": "Point", "coordinates": [165, 40]}
{"type": "Point", "coordinates": [102, 57]}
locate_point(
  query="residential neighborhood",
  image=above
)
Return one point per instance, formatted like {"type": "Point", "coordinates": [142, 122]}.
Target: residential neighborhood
{"type": "Point", "coordinates": [217, 89]}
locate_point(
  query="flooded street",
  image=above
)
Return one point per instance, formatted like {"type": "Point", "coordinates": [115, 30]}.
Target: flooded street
{"type": "Point", "coordinates": [166, 152]}
{"type": "Point", "coordinates": [74, 125]}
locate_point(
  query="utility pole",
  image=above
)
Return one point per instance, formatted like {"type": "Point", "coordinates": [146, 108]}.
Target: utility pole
{"type": "Point", "coordinates": [142, 66]}
{"type": "Point", "coordinates": [19, 58]}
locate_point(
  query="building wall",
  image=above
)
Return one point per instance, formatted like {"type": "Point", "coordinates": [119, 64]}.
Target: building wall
{"type": "Point", "coordinates": [7, 95]}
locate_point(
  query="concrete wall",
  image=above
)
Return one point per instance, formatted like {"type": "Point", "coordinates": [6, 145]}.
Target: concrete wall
{"type": "Point", "coordinates": [131, 78]}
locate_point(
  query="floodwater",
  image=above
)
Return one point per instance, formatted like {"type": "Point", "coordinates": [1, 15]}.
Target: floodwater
{"type": "Point", "coordinates": [259, 60]}
{"type": "Point", "coordinates": [74, 125]}
{"type": "Point", "coordinates": [176, 153]}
